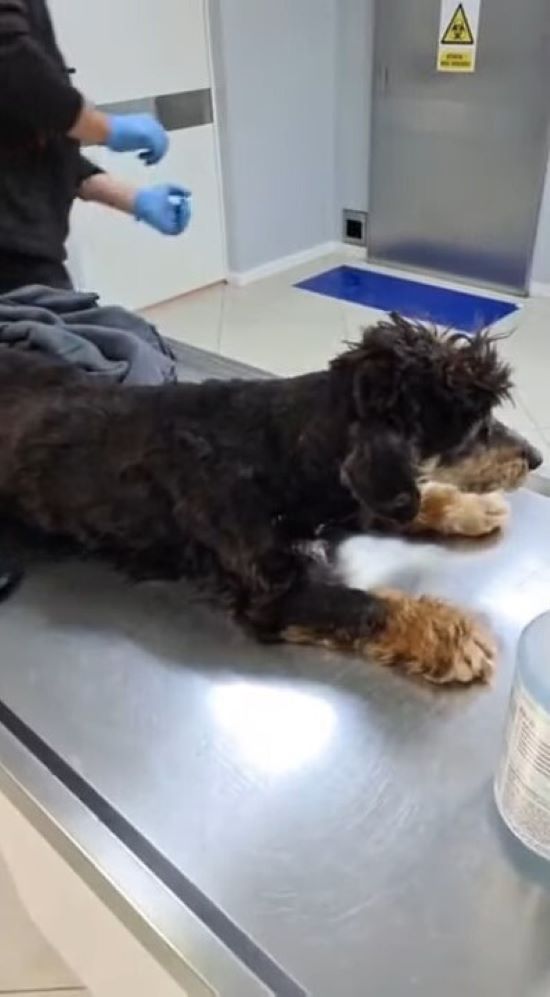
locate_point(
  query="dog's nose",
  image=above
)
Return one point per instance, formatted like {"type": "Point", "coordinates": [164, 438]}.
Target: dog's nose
{"type": "Point", "coordinates": [533, 457]}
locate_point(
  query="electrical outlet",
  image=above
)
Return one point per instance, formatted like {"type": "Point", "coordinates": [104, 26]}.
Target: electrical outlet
{"type": "Point", "coordinates": [355, 227]}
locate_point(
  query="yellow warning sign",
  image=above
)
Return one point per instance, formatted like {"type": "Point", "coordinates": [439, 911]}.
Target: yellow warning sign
{"type": "Point", "coordinates": [458, 36]}
{"type": "Point", "coordinates": [458, 31]}
{"type": "Point", "coordinates": [456, 62]}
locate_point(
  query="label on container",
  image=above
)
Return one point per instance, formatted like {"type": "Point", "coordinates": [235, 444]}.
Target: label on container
{"type": "Point", "coordinates": [522, 787]}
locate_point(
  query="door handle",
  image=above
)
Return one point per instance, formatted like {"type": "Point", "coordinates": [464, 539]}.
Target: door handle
{"type": "Point", "coordinates": [383, 79]}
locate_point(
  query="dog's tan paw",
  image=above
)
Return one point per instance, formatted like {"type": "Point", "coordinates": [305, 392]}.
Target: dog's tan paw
{"type": "Point", "coordinates": [476, 515]}
{"type": "Point", "coordinates": [447, 511]}
{"type": "Point", "coordinates": [471, 659]}
{"type": "Point", "coordinates": [427, 637]}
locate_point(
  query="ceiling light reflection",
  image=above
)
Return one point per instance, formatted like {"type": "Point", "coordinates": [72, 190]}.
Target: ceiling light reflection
{"type": "Point", "coordinates": [275, 730]}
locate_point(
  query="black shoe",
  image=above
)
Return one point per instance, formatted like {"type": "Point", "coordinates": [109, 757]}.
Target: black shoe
{"type": "Point", "coordinates": [10, 577]}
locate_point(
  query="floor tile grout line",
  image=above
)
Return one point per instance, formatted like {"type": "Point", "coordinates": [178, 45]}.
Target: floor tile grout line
{"type": "Point", "coordinates": [43, 990]}
{"type": "Point", "coordinates": [526, 411]}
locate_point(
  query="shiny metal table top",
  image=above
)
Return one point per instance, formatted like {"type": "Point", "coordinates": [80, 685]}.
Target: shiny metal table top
{"type": "Point", "coordinates": [331, 822]}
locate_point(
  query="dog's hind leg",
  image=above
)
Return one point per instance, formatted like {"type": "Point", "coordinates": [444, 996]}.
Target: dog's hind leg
{"type": "Point", "coordinates": [422, 636]}
{"type": "Point", "coordinates": [446, 511]}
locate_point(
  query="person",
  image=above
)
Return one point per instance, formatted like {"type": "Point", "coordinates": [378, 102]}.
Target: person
{"type": "Point", "coordinates": [44, 120]}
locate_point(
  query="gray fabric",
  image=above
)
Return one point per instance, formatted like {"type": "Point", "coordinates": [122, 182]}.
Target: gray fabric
{"type": "Point", "coordinates": [102, 340]}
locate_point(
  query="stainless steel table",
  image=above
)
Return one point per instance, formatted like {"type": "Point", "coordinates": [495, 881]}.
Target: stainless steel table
{"type": "Point", "coordinates": [331, 822]}
{"type": "Point", "coordinates": [290, 821]}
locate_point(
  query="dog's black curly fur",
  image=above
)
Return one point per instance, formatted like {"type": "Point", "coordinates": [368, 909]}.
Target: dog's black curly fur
{"type": "Point", "coordinates": [218, 481]}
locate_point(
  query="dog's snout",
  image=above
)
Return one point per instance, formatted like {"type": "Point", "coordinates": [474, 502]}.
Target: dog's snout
{"type": "Point", "coordinates": [533, 457]}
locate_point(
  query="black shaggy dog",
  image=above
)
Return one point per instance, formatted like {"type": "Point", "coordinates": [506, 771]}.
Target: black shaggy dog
{"type": "Point", "coordinates": [224, 482]}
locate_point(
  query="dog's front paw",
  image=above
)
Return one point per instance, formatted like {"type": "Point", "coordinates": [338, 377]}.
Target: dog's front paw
{"type": "Point", "coordinates": [427, 637]}
{"type": "Point", "coordinates": [447, 511]}
{"type": "Point", "coordinates": [477, 515]}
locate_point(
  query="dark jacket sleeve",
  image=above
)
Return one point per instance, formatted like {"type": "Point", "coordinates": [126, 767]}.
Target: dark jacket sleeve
{"type": "Point", "coordinates": [34, 94]}
{"type": "Point", "coordinates": [87, 169]}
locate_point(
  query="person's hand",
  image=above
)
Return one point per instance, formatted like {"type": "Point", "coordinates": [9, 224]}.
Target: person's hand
{"type": "Point", "coordinates": [166, 208]}
{"type": "Point", "coordinates": [141, 132]}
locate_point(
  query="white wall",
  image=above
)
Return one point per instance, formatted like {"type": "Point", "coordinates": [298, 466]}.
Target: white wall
{"type": "Point", "coordinates": [353, 96]}
{"type": "Point", "coordinates": [275, 73]}
{"type": "Point", "coordinates": [293, 87]}
{"type": "Point", "coordinates": [541, 261]}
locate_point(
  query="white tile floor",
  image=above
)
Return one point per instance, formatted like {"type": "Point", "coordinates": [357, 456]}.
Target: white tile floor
{"type": "Point", "coordinates": [28, 964]}
{"type": "Point", "coordinates": [44, 993]}
{"type": "Point", "coordinates": [272, 325]}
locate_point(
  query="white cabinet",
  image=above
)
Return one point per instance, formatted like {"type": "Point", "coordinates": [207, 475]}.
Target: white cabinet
{"type": "Point", "coordinates": [125, 50]}
{"type": "Point", "coordinates": [132, 264]}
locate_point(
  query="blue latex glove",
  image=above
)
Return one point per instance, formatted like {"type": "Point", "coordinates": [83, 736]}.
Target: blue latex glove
{"type": "Point", "coordinates": [128, 132]}
{"type": "Point", "coordinates": [166, 208]}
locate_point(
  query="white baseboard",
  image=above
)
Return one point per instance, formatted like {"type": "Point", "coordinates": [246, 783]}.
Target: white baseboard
{"type": "Point", "coordinates": [243, 277]}
{"type": "Point", "coordinates": [538, 290]}
{"type": "Point", "coordinates": [353, 252]}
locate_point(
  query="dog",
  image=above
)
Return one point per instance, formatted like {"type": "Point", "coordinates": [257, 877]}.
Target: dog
{"type": "Point", "coordinates": [227, 482]}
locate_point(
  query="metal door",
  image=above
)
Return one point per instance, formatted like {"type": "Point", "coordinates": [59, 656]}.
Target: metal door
{"type": "Point", "coordinates": [458, 159]}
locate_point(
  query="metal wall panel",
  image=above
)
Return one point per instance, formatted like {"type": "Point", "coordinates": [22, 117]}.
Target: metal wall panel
{"type": "Point", "coordinates": [458, 160]}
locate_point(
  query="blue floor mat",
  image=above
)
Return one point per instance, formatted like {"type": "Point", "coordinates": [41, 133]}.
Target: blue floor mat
{"type": "Point", "coordinates": [412, 299]}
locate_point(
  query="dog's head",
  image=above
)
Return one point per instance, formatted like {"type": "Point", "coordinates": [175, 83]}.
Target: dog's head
{"type": "Point", "coordinates": [492, 458]}
{"type": "Point", "coordinates": [414, 396]}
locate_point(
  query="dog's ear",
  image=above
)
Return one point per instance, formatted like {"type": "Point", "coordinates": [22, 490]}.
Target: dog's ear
{"type": "Point", "coordinates": [387, 381]}
{"type": "Point", "coordinates": [379, 368]}
{"type": "Point", "coordinates": [472, 370]}
{"type": "Point", "coordinates": [380, 472]}
{"type": "Point", "coordinates": [377, 381]}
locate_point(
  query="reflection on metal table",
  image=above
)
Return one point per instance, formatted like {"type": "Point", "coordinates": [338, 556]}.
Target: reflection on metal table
{"type": "Point", "coordinates": [320, 825]}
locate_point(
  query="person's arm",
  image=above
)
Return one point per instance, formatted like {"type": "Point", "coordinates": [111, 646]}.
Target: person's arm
{"type": "Point", "coordinates": [92, 127]}
{"type": "Point", "coordinates": [86, 170]}
{"type": "Point", "coordinates": [165, 207]}
{"type": "Point", "coordinates": [102, 188]}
